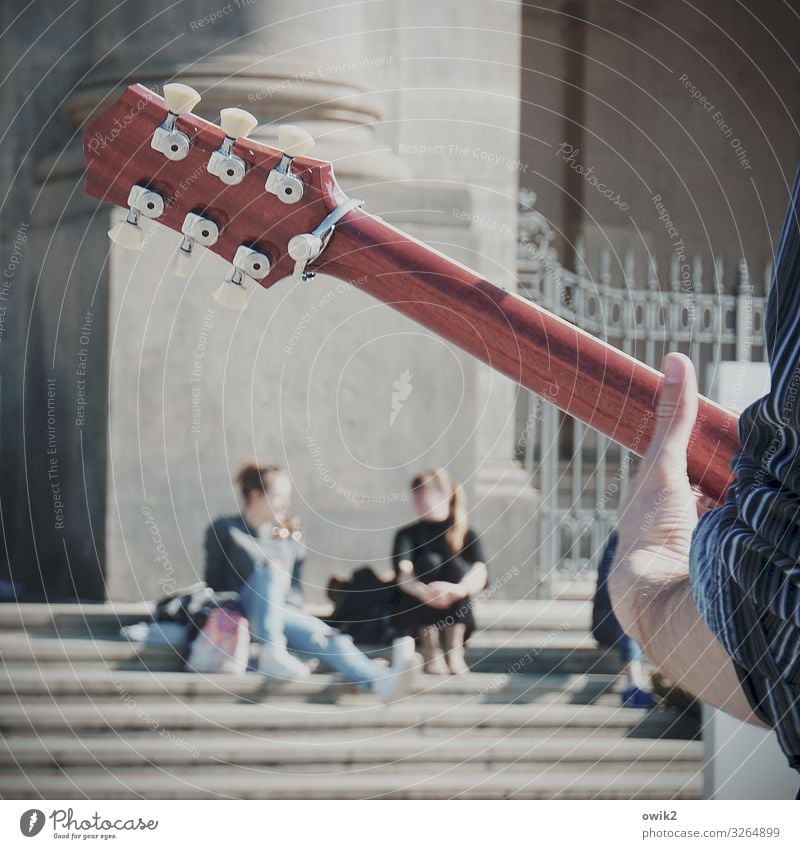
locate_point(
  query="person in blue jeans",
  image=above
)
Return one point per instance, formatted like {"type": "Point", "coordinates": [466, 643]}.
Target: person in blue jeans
{"type": "Point", "coordinates": [608, 633]}
{"type": "Point", "coordinates": [259, 554]}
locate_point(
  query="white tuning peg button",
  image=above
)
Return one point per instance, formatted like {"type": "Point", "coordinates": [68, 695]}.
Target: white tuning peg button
{"type": "Point", "coordinates": [232, 295]}
{"type": "Point", "coordinates": [237, 123]}
{"type": "Point", "coordinates": [167, 139]}
{"type": "Point", "coordinates": [303, 248]}
{"type": "Point", "coordinates": [294, 141]}
{"type": "Point", "coordinates": [127, 235]}
{"type": "Point", "coordinates": [141, 202]}
{"type": "Point", "coordinates": [223, 163]}
{"type": "Point", "coordinates": [180, 98]}
{"type": "Point", "coordinates": [182, 263]}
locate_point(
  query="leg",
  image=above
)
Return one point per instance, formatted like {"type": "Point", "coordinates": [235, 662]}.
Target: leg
{"type": "Point", "coordinates": [453, 640]}
{"type": "Point", "coordinates": [313, 638]}
{"type": "Point", "coordinates": [263, 599]}
{"type": "Point", "coordinates": [433, 659]}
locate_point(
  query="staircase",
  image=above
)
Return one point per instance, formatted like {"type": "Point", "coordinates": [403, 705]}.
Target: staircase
{"type": "Point", "coordinates": [85, 714]}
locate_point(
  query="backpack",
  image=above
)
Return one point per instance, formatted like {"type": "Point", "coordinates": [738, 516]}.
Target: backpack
{"type": "Point", "coordinates": [363, 607]}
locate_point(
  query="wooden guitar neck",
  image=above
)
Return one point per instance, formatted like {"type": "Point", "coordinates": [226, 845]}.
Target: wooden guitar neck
{"type": "Point", "coordinates": [583, 376]}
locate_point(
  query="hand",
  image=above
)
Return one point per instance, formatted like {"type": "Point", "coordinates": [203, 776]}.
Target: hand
{"type": "Point", "coordinates": [649, 579]}
{"type": "Point", "coordinates": [443, 594]}
{"type": "Point", "coordinates": [659, 512]}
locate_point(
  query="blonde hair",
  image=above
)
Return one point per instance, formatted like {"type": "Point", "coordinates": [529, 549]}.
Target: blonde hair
{"type": "Point", "coordinates": [458, 526]}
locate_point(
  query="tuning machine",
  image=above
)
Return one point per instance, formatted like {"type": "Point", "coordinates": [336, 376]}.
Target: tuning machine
{"type": "Point", "coordinates": [196, 230]}
{"type": "Point", "coordinates": [223, 163]}
{"type": "Point", "coordinates": [141, 202]}
{"type": "Point", "coordinates": [306, 247]}
{"type": "Point", "coordinates": [174, 144]}
{"type": "Point", "coordinates": [293, 141]}
{"type": "Point", "coordinates": [247, 262]}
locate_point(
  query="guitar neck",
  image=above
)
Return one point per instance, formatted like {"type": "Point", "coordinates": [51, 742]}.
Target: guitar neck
{"type": "Point", "coordinates": [583, 376]}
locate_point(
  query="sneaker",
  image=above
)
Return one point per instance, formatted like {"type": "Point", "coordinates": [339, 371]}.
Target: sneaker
{"type": "Point", "coordinates": [635, 697]}
{"type": "Point", "coordinates": [275, 662]}
{"type": "Point", "coordinates": [393, 683]}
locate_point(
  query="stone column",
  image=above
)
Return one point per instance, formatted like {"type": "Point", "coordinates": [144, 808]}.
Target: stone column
{"type": "Point", "coordinates": [311, 374]}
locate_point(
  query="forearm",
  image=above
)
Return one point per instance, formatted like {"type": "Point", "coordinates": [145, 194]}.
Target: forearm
{"type": "Point", "coordinates": [661, 615]}
{"type": "Point", "coordinates": [407, 581]}
{"type": "Point", "coordinates": [474, 580]}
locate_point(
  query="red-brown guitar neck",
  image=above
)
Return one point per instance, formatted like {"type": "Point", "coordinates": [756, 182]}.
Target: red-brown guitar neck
{"type": "Point", "coordinates": [583, 376]}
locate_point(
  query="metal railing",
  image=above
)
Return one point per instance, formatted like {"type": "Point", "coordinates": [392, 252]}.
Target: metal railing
{"type": "Point", "coordinates": [580, 474]}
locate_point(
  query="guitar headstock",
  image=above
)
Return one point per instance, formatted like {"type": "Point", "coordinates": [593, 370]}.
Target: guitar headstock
{"type": "Point", "coordinates": [218, 189]}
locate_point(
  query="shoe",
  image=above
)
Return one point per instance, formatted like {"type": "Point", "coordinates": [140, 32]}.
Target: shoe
{"type": "Point", "coordinates": [394, 682]}
{"type": "Point", "coordinates": [635, 697]}
{"type": "Point", "coordinates": [275, 662]}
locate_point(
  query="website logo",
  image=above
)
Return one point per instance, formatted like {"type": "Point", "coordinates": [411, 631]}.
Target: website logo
{"type": "Point", "coordinates": [31, 822]}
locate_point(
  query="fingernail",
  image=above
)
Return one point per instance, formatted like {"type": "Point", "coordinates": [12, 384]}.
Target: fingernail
{"type": "Point", "coordinates": [673, 372]}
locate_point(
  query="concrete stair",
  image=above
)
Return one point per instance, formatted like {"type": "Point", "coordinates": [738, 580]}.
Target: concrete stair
{"type": "Point", "coordinates": [86, 714]}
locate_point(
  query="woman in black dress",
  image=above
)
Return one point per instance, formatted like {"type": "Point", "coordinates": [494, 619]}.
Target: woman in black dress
{"type": "Point", "coordinates": [439, 565]}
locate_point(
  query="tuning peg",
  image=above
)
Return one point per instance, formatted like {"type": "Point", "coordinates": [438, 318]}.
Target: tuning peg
{"type": "Point", "coordinates": [304, 248]}
{"type": "Point", "coordinates": [195, 229]}
{"type": "Point", "coordinates": [127, 235]}
{"type": "Point", "coordinates": [141, 201]}
{"type": "Point", "coordinates": [231, 295]}
{"type": "Point", "coordinates": [223, 163]}
{"type": "Point", "coordinates": [293, 141]}
{"type": "Point", "coordinates": [180, 100]}
{"type": "Point", "coordinates": [247, 262]}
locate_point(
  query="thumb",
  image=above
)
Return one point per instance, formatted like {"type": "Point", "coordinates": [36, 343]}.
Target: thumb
{"type": "Point", "coordinates": [676, 412]}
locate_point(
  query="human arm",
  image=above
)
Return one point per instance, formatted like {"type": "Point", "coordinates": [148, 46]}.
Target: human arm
{"type": "Point", "coordinates": [649, 579]}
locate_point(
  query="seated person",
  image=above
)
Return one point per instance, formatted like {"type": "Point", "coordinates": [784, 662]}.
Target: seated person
{"type": "Point", "coordinates": [608, 633]}
{"type": "Point", "coordinates": [257, 552]}
{"type": "Point", "coordinates": [439, 565]}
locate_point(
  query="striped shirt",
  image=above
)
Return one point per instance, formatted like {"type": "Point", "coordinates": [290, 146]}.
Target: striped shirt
{"type": "Point", "coordinates": [745, 556]}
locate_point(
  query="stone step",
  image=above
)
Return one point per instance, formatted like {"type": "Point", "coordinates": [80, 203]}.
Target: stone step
{"type": "Point", "coordinates": [532, 653]}
{"type": "Point", "coordinates": [403, 750]}
{"type": "Point", "coordinates": [49, 683]}
{"type": "Point", "coordinates": [131, 714]}
{"type": "Point", "coordinates": [458, 782]}
{"type": "Point", "coordinates": [107, 618]}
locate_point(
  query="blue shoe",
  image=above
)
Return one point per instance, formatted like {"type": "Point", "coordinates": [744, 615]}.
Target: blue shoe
{"type": "Point", "coordinates": [635, 697]}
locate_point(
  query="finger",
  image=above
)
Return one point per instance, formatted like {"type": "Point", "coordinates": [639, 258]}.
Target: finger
{"type": "Point", "coordinates": [676, 413]}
